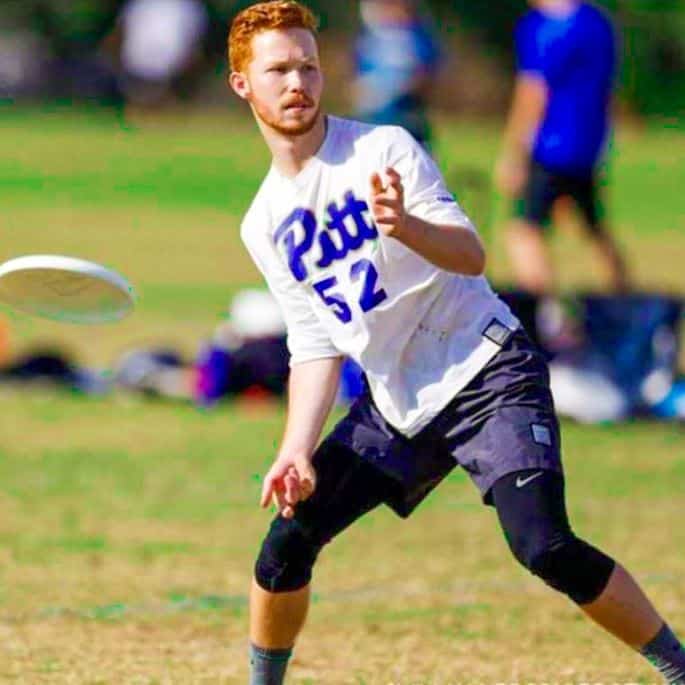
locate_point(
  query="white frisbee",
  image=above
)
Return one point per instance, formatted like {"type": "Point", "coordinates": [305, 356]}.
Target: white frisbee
{"type": "Point", "coordinates": [65, 289]}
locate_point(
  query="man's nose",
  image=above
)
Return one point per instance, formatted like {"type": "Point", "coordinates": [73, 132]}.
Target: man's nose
{"type": "Point", "coordinates": [296, 79]}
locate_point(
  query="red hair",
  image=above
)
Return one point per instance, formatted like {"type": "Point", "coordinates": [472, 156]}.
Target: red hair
{"type": "Point", "coordinates": [264, 16]}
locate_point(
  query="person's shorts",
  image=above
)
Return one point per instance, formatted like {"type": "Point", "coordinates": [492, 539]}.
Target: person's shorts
{"type": "Point", "coordinates": [503, 421]}
{"type": "Point", "coordinates": [545, 187]}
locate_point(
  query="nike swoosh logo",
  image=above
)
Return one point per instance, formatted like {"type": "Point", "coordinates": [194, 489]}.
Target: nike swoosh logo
{"type": "Point", "coordinates": [521, 482]}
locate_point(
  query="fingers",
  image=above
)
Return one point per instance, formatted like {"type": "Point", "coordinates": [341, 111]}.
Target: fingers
{"type": "Point", "coordinates": [288, 512]}
{"type": "Point", "coordinates": [287, 484]}
{"type": "Point", "coordinates": [272, 478]}
{"type": "Point", "coordinates": [389, 195]}
{"type": "Point", "coordinates": [385, 201]}
{"type": "Point", "coordinates": [278, 499]}
{"type": "Point", "coordinates": [291, 494]}
{"type": "Point", "coordinates": [394, 179]}
{"type": "Point", "coordinates": [291, 485]}
{"type": "Point", "coordinates": [285, 495]}
{"type": "Point", "coordinates": [393, 182]}
{"type": "Point", "coordinates": [376, 184]}
{"type": "Point", "coordinates": [267, 492]}
{"type": "Point", "coordinates": [306, 477]}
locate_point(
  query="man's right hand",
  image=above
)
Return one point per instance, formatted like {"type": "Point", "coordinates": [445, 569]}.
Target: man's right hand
{"type": "Point", "coordinates": [291, 479]}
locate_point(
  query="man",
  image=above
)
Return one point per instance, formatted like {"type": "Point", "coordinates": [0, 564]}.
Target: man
{"type": "Point", "coordinates": [370, 256]}
{"type": "Point", "coordinates": [556, 134]}
{"type": "Point", "coordinates": [396, 62]}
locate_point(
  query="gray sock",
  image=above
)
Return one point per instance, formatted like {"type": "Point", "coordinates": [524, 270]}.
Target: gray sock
{"type": "Point", "coordinates": [668, 655]}
{"type": "Point", "coordinates": [267, 666]}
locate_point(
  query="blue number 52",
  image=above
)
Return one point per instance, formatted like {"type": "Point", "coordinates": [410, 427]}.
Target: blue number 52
{"type": "Point", "coordinates": [370, 295]}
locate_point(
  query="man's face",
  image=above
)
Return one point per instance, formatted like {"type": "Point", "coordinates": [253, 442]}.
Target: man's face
{"type": "Point", "coordinates": [551, 4]}
{"type": "Point", "coordinates": [283, 82]}
{"type": "Point", "coordinates": [379, 12]}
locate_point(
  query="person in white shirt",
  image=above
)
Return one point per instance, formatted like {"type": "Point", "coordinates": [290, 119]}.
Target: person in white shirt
{"type": "Point", "coordinates": [369, 255]}
{"type": "Point", "coordinates": [160, 41]}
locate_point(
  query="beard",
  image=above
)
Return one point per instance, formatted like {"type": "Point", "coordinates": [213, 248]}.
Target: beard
{"type": "Point", "coordinates": [292, 129]}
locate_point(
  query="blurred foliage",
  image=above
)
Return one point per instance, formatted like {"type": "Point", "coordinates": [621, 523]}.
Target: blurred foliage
{"type": "Point", "coordinates": [653, 34]}
{"type": "Point", "coordinates": [654, 55]}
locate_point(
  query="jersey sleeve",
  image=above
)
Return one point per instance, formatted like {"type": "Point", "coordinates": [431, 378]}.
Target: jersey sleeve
{"type": "Point", "coordinates": [529, 58]}
{"type": "Point", "coordinates": [307, 337]}
{"type": "Point", "coordinates": [426, 195]}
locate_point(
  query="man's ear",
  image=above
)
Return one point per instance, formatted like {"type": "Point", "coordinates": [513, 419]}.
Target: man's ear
{"type": "Point", "coordinates": [239, 83]}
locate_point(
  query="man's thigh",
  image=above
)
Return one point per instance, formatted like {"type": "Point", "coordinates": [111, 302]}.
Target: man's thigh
{"type": "Point", "coordinates": [405, 469]}
{"type": "Point", "coordinates": [534, 204]}
{"type": "Point", "coordinates": [504, 420]}
{"type": "Point", "coordinates": [346, 488]}
{"type": "Point", "coordinates": [587, 197]}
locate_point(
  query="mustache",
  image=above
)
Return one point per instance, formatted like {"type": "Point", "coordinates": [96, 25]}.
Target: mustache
{"type": "Point", "coordinates": [299, 101]}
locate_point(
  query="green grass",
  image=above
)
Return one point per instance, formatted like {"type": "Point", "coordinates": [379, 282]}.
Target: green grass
{"type": "Point", "coordinates": [128, 528]}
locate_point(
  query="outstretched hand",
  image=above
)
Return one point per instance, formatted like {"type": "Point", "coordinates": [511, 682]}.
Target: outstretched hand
{"type": "Point", "coordinates": [289, 480]}
{"type": "Point", "coordinates": [387, 202]}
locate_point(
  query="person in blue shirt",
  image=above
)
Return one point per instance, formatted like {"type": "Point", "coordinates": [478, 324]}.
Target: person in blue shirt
{"type": "Point", "coordinates": [396, 58]}
{"type": "Point", "coordinates": [557, 132]}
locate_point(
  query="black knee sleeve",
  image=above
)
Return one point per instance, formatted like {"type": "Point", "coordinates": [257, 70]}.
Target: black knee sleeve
{"type": "Point", "coordinates": [574, 568]}
{"type": "Point", "coordinates": [535, 523]}
{"type": "Point", "coordinates": [286, 559]}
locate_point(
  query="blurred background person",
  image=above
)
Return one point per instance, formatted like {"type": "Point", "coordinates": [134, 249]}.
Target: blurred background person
{"type": "Point", "coordinates": [396, 60]}
{"type": "Point", "coordinates": [161, 48]}
{"type": "Point", "coordinates": [557, 133]}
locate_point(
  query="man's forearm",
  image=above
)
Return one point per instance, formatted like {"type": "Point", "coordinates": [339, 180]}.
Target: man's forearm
{"type": "Point", "coordinates": [312, 389]}
{"type": "Point", "coordinates": [527, 110]}
{"type": "Point", "coordinates": [453, 248]}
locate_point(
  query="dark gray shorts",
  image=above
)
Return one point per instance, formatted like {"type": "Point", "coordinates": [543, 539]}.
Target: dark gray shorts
{"type": "Point", "coordinates": [545, 187]}
{"type": "Point", "coordinates": [503, 421]}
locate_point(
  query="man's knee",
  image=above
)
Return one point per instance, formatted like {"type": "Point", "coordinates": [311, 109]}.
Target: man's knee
{"type": "Point", "coordinates": [287, 556]}
{"type": "Point", "coordinates": [569, 565]}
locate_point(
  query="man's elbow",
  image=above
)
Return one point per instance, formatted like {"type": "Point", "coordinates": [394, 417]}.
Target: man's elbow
{"type": "Point", "coordinates": [474, 264]}
{"type": "Point", "coordinates": [477, 266]}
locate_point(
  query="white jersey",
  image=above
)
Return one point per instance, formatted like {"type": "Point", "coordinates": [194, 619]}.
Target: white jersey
{"type": "Point", "coordinates": [347, 289]}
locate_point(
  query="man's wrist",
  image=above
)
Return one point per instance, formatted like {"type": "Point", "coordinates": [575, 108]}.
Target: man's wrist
{"type": "Point", "coordinates": [409, 226]}
{"type": "Point", "coordinates": [515, 155]}
{"type": "Point", "coordinates": [294, 453]}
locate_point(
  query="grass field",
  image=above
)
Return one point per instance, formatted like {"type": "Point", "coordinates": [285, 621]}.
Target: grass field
{"type": "Point", "coordinates": [128, 528]}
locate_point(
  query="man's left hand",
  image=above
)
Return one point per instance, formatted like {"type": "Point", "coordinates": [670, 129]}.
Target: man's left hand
{"type": "Point", "coordinates": [387, 203]}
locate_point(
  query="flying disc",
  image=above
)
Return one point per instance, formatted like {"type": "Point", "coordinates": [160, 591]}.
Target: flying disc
{"type": "Point", "coordinates": [65, 289]}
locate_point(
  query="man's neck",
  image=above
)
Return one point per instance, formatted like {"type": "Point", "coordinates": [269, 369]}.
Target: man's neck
{"type": "Point", "coordinates": [557, 8]}
{"type": "Point", "coordinates": [291, 153]}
